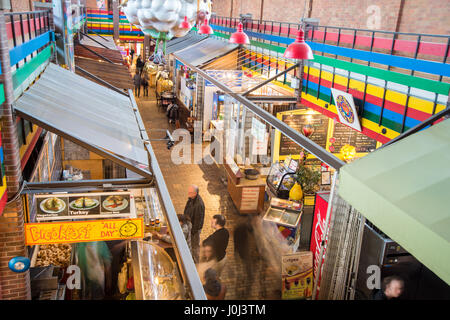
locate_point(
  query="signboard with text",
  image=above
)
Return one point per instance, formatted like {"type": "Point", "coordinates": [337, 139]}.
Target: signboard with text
{"type": "Point", "coordinates": [84, 205]}
{"type": "Point", "coordinates": [296, 274]}
{"type": "Point", "coordinates": [83, 231]}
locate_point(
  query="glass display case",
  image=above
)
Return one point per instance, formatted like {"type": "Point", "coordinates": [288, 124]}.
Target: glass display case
{"type": "Point", "coordinates": [281, 178]}
{"type": "Point", "coordinates": [156, 276]}
{"type": "Point", "coordinates": [286, 215]}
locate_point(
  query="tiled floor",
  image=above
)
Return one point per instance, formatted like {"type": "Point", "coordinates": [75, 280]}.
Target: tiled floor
{"type": "Point", "coordinates": [266, 283]}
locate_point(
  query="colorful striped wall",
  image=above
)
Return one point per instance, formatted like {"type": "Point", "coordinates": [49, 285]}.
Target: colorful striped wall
{"type": "Point", "coordinates": [3, 192]}
{"type": "Point", "coordinates": [101, 22]}
{"type": "Point", "coordinates": [390, 101]}
{"type": "Point", "coordinates": [30, 58]}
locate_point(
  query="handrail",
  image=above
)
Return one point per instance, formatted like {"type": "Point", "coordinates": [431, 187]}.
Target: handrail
{"type": "Point", "coordinates": [26, 12]}
{"type": "Point", "coordinates": [333, 27]}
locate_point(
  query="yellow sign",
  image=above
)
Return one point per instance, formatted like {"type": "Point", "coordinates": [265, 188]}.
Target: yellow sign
{"type": "Point", "coordinates": [83, 231]}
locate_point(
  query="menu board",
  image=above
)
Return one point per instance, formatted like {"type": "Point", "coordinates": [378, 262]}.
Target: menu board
{"type": "Point", "coordinates": [88, 205]}
{"type": "Point", "coordinates": [319, 123]}
{"type": "Point", "coordinates": [344, 135]}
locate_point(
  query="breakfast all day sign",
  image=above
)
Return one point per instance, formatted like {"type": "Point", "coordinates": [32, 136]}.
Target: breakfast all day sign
{"type": "Point", "coordinates": [83, 205]}
{"type": "Point", "coordinates": [83, 231]}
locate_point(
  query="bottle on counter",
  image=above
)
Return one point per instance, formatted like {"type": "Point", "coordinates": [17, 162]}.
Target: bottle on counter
{"type": "Point", "coordinates": [157, 225]}
{"type": "Point", "coordinates": [152, 225]}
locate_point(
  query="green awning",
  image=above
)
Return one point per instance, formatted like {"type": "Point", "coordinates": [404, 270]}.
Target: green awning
{"type": "Point", "coordinates": [404, 189]}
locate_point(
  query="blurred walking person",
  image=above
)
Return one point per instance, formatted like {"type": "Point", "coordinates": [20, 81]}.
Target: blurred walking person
{"type": "Point", "coordinates": [243, 240]}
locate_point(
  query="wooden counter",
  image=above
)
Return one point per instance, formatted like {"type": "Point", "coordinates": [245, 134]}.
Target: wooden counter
{"type": "Point", "coordinates": [247, 195]}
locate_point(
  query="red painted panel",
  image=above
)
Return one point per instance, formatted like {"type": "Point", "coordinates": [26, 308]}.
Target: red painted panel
{"type": "Point", "coordinates": [18, 30]}
{"type": "Point", "coordinates": [30, 148]}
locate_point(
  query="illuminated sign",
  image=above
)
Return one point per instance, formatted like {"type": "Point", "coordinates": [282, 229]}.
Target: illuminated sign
{"type": "Point", "coordinates": [83, 231]}
{"type": "Point", "coordinates": [84, 205]}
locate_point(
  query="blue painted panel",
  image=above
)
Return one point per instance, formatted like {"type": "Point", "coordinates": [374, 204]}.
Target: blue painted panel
{"type": "Point", "coordinates": [25, 49]}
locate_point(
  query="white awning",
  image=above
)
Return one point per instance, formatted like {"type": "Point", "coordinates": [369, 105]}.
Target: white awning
{"type": "Point", "coordinates": [85, 112]}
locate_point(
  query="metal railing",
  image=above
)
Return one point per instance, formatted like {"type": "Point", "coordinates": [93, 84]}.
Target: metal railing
{"type": "Point", "coordinates": [99, 25]}
{"type": "Point", "coordinates": [24, 26]}
{"type": "Point", "coordinates": [429, 47]}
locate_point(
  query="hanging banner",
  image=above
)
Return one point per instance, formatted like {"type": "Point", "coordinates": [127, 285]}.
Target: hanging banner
{"type": "Point", "coordinates": [83, 231]}
{"type": "Point", "coordinates": [346, 109]}
{"type": "Point", "coordinates": [84, 205]}
{"type": "Point", "coordinates": [297, 275]}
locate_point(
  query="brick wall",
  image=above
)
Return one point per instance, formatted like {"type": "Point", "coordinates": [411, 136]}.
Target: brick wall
{"type": "Point", "coordinates": [419, 16]}
{"type": "Point", "coordinates": [21, 5]}
{"type": "Point", "coordinates": [247, 6]}
{"type": "Point", "coordinates": [283, 10]}
{"type": "Point", "coordinates": [365, 14]}
{"type": "Point", "coordinates": [222, 7]}
{"type": "Point", "coordinates": [425, 16]}
{"type": "Point", "coordinates": [12, 240]}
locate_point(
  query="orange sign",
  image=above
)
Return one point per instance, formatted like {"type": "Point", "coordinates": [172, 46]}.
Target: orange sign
{"type": "Point", "coordinates": [83, 231]}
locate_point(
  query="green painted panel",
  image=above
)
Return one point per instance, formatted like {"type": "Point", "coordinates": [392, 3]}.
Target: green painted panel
{"type": "Point", "coordinates": [22, 74]}
{"type": "Point", "coordinates": [2, 94]}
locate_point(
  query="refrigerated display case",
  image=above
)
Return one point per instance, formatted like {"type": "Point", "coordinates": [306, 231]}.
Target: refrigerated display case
{"type": "Point", "coordinates": [156, 276]}
{"type": "Point", "coordinates": [281, 178]}
{"type": "Point", "coordinates": [286, 215]}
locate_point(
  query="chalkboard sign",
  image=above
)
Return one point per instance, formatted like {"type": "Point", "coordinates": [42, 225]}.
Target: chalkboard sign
{"type": "Point", "coordinates": [296, 121]}
{"type": "Point", "coordinates": [344, 135]}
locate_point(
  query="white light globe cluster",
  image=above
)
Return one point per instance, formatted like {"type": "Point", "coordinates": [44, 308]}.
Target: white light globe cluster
{"type": "Point", "coordinates": [164, 15]}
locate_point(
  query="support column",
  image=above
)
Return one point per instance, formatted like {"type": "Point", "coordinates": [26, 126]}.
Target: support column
{"type": "Point", "coordinates": [116, 19]}
{"type": "Point", "coordinates": [13, 285]}
{"type": "Point", "coordinates": [146, 48]}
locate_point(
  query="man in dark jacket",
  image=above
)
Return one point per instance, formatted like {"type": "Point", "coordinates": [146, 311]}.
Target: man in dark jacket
{"type": "Point", "coordinates": [391, 289]}
{"type": "Point", "coordinates": [139, 65]}
{"type": "Point", "coordinates": [219, 239]}
{"type": "Point", "coordinates": [195, 211]}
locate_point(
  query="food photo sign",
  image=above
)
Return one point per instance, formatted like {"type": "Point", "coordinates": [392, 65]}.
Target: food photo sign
{"type": "Point", "coordinates": [84, 206]}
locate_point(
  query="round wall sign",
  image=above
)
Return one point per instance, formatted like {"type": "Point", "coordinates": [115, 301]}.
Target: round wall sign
{"type": "Point", "coordinates": [19, 264]}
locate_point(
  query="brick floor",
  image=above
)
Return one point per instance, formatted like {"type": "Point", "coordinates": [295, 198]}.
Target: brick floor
{"type": "Point", "coordinates": [266, 284]}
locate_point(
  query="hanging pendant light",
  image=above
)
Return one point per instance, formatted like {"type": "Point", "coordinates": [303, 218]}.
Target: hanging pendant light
{"type": "Point", "coordinates": [239, 37]}
{"type": "Point", "coordinates": [185, 24]}
{"type": "Point", "coordinates": [205, 28]}
{"type": "Point", "coordinates": [299, 49]}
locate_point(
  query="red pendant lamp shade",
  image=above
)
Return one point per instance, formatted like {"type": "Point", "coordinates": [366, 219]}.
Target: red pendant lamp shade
{"type": "Point", "coordinates": [185, 24]}
{"type": "Point", "coordinates": [239, 37]}
{"type": "Point", "coordinates": [205, 28]}
{"type": "Point", "coordinates": [299, 49]}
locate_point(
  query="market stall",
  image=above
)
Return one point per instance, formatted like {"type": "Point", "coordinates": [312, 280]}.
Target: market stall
{"type": "Point", "coordinates": [102, 225]}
